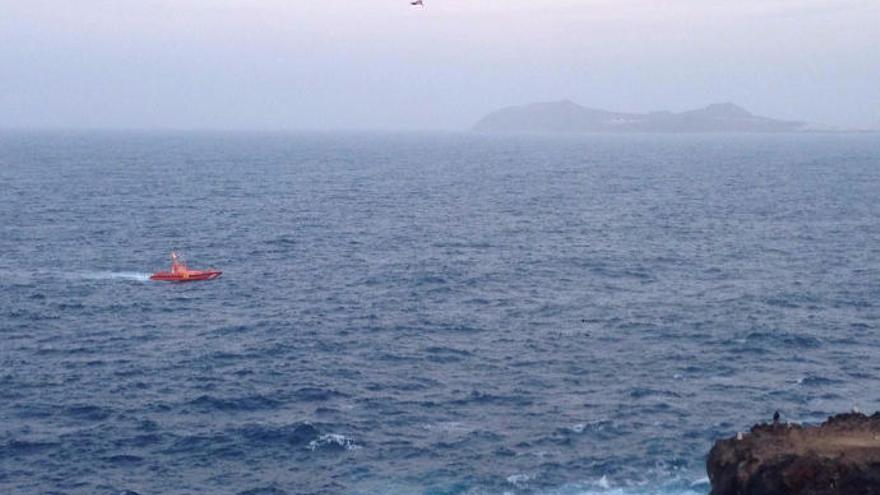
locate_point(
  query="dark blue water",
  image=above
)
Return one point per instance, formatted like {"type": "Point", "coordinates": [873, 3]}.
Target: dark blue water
{"type": "Point", "coordinates": [425, 314]}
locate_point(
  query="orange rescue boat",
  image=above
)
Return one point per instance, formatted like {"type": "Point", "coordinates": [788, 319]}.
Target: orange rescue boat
{"type": "Point", "coordinates": [180, 273]}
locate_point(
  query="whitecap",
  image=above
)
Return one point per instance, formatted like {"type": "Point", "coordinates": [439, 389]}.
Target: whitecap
{"type": "Point", "coordinates": [333, 440]}
{"type": "Point", "coordinates": [597, 425]}
{"type": "Point", "coordinates": [520, 479]}
{"type": "Point", "coordinates": [704, 481]}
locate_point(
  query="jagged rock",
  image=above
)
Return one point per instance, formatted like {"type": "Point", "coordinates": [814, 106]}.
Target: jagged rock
{"type": "Point", "coordinates": [840, 457]}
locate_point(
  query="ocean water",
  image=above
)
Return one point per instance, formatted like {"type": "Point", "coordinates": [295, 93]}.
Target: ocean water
{"type": "Point", "coordinates": [425, 313]}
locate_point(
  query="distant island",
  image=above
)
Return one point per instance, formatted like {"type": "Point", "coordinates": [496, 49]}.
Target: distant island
{"type": "Point", "coordinates": [569, 117]}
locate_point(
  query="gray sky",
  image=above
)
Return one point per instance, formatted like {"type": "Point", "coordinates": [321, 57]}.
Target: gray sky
{"type": "Point", "coordinates": [360, 64]}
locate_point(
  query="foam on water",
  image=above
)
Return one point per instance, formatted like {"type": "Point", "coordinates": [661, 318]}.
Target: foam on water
{"type": "Point", "coordinates": [625, 491]}
{"type": "Point", "coordinates": [604, 486]}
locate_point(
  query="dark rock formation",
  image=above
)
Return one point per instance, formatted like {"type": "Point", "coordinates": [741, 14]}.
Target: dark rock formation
{"type": "Point", "coordinates": [567, 116]}
{"type": "Point", "coordinates": [840, 456]}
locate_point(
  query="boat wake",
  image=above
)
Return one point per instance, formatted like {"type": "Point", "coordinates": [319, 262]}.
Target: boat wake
{"type": "Point", "coordinates": [133, 276]}
{"type": "Point", "coordinates": [39, 276]}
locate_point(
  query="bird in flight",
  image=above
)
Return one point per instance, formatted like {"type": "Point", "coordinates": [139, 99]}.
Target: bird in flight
{"type": "Point", "coordinates": [417, 2]}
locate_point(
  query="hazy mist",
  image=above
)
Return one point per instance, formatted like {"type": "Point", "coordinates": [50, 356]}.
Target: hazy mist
{"type": "Point", "coordinates": [381, 64]}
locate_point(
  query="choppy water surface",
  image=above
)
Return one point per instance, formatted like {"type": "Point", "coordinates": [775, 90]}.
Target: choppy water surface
{"type": "Point", "coordinates": [414, 314]}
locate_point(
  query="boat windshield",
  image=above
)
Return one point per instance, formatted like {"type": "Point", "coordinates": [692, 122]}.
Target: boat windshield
{"type": "Point", "coordinates": [177, 263]}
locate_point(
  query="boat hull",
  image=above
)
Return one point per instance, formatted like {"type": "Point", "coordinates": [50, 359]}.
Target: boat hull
{"type": "Point", "coordinates": [189, 276]}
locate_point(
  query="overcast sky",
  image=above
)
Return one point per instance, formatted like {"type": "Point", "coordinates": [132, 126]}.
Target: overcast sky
{"type": "Point", "coordinates": [381, 64]}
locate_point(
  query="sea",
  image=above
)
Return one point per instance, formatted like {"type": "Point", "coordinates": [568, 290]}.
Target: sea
{"type": "Point", "coordinates": [425, 313]}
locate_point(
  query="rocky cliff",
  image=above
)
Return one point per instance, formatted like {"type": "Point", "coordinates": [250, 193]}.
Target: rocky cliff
{"type": "Point", "coordinates": [840, 456]}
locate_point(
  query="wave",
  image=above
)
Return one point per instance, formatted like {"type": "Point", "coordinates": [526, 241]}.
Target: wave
{"type": "Point", "coordinates": [292, 434]}
{"type": "Point", "coordinates": [266, 490]}
{"type": "Point", "coordinates": [208, 403]}
{"type": "Point", "coordinates": [87, 412]}
{"type": "Point", "coordinates": [15, 448]}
